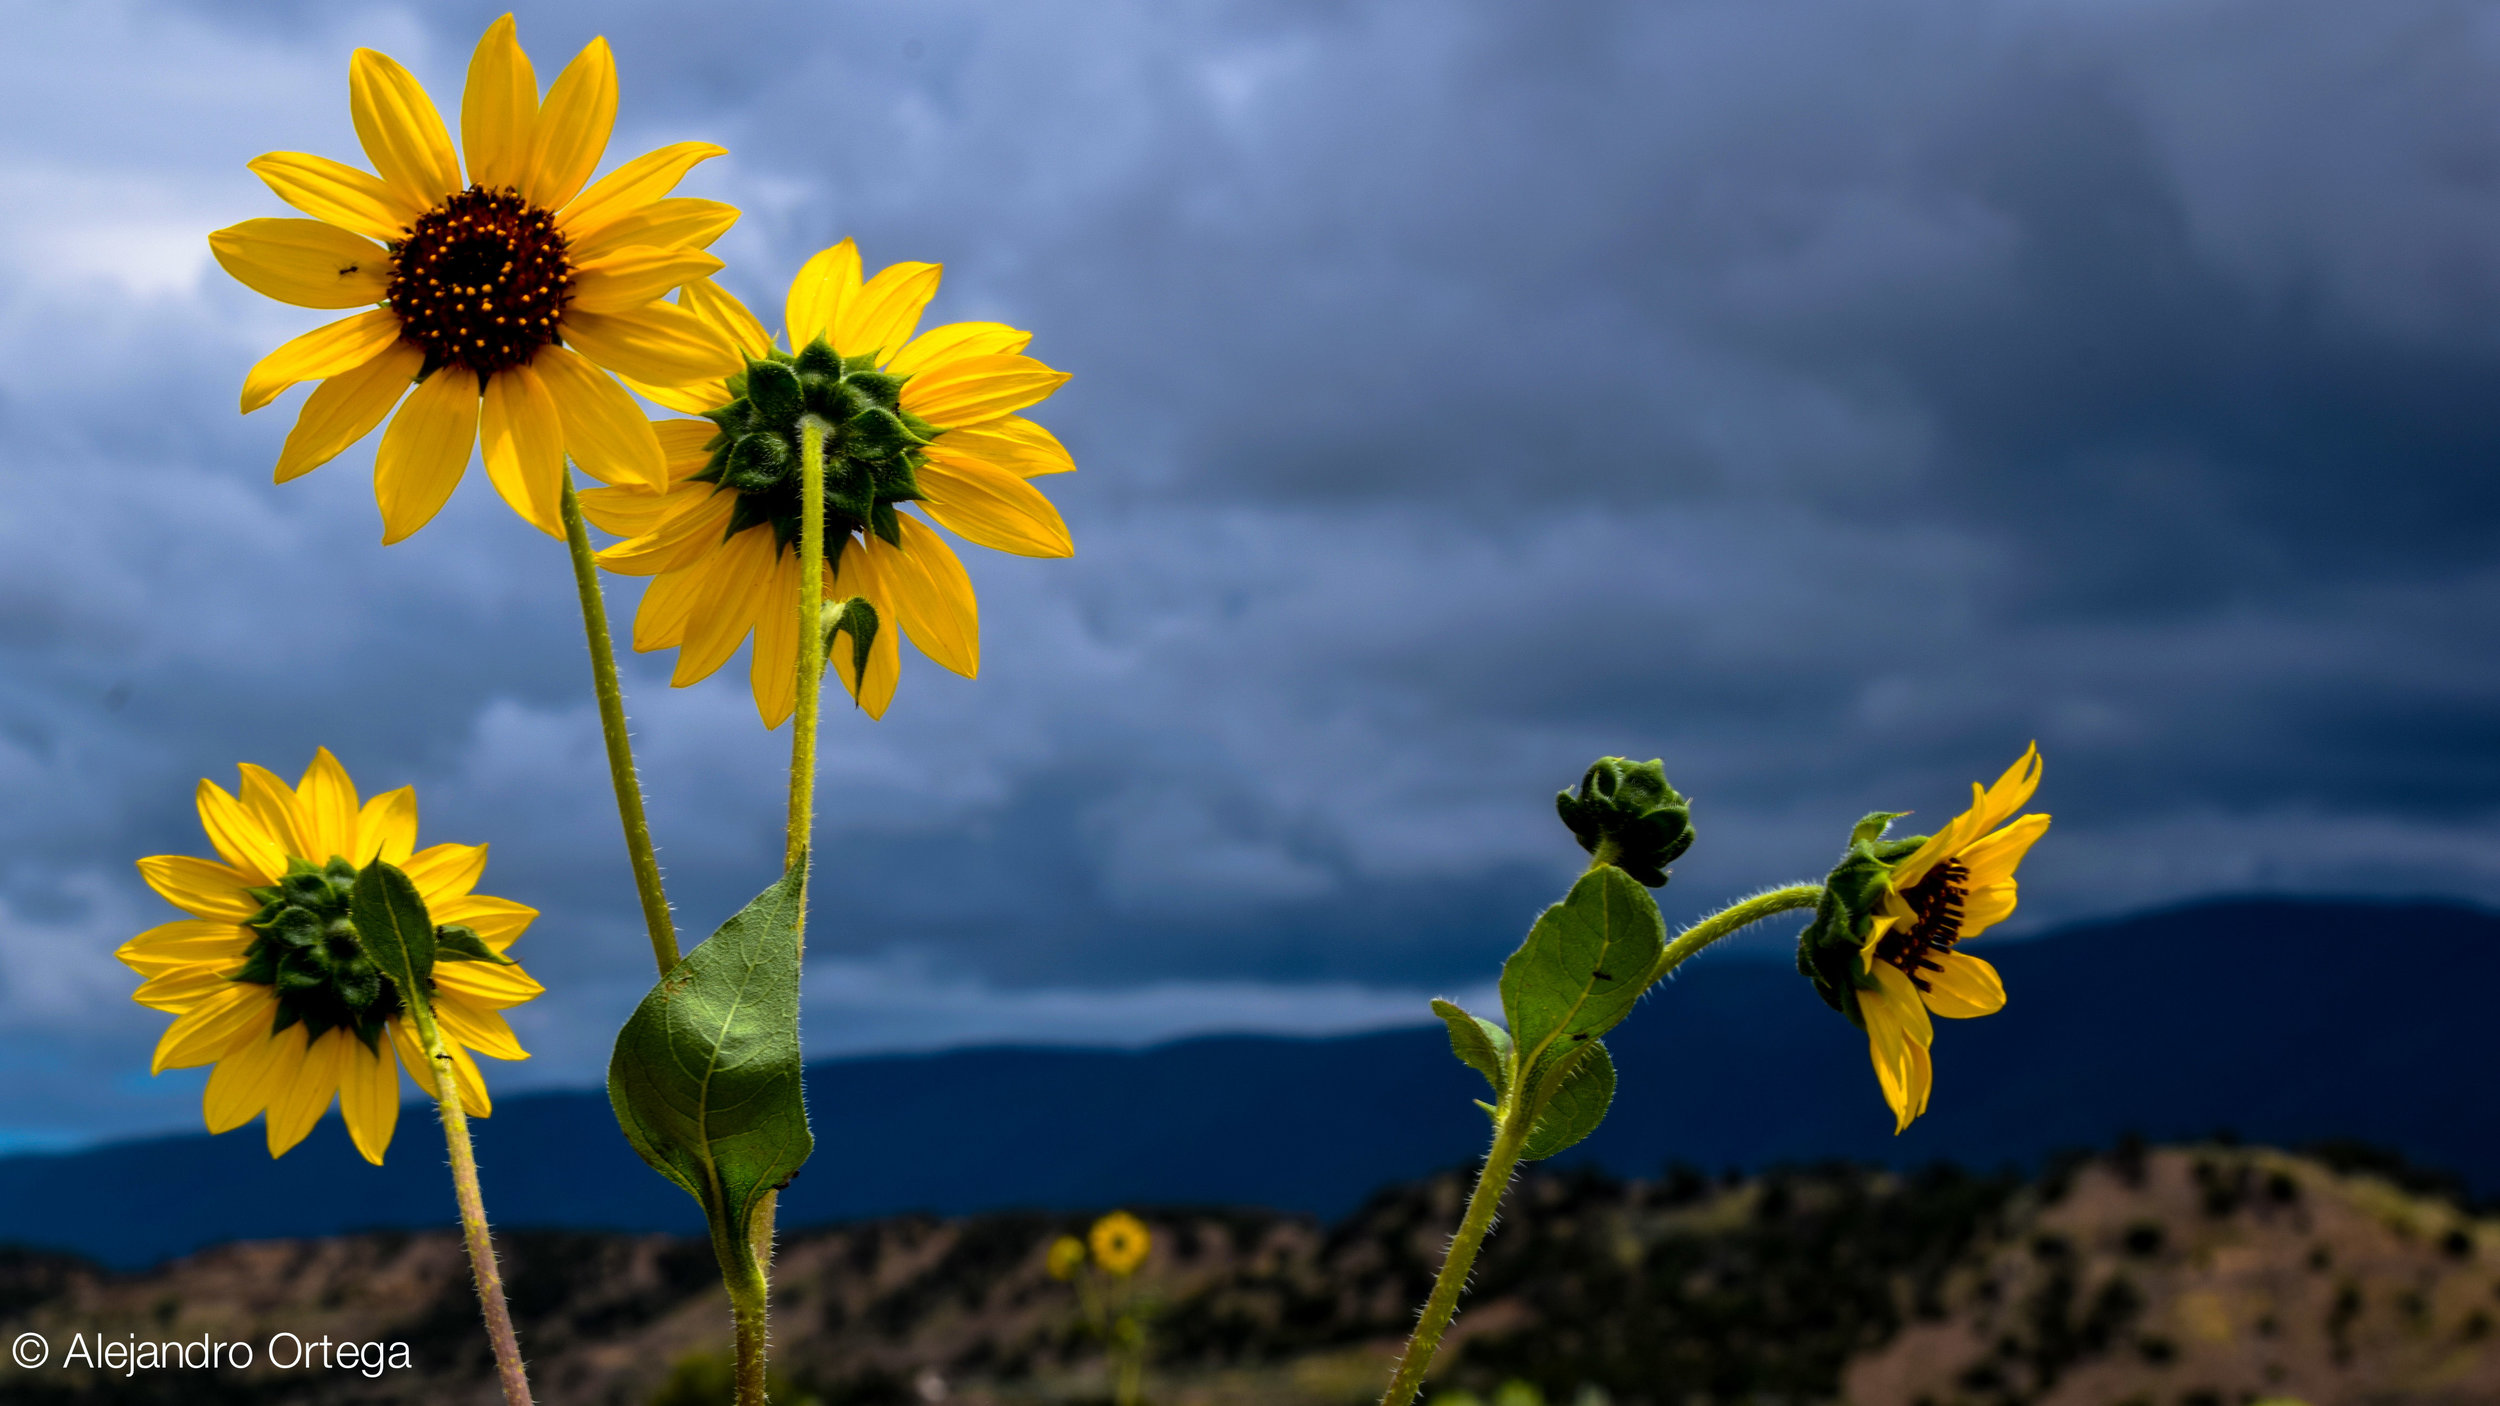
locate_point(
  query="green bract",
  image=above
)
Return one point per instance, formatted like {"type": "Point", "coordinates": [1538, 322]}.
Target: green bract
{"type": "Point", "coordinates": [872, 445]}
{"type": "Point", "coordinates": [1827, 951]}
{"type": "Point", "coordinates": [1627, 815]}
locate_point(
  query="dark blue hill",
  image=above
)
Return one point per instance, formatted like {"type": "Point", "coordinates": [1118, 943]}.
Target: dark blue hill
{"type": "Point", "coordinates": [2287, 1022]}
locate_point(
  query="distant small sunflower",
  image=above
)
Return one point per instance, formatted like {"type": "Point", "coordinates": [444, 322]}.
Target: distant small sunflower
{"type": "Point", "coordinates": [928, 420]}
{"type": "Point", "coordinates": [266, 978]}
{"type": "Point", "coordinates": [1120, 1243]}
{"type": "Point", "coordinates": [506, 295]}
{"type": "Point", "coordinates": [1067, 1256]}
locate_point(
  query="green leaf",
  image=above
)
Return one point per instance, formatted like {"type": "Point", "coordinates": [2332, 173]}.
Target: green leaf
{"type": "Point", "coordinates": [397, 932]}
{"type": "Point", "coordinates": [458, 942]}
{"type": "Point", "coordinates": [1479, 1043]}
{"type": "Point", "coordinates": [706, 1075]}
{"type": "Point", "coordinates": [1576, 1103]}
{"type": "Point", "coordinates": [1584, 964]}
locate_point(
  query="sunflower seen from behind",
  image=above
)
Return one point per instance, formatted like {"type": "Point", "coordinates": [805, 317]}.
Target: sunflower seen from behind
{"type": "Point", "coordinates": [1884, 946]}
{"type": "Point", "coordinates": [267, 981]}
{"type": "Point", "coordinates": [929, 422]}
{"type": "Point", "coordinates": [505, 294]}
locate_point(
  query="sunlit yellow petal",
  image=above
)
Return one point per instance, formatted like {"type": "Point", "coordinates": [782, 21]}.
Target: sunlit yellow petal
{"type": "Point", "coordinates": [369, 1098]}
{"type": "Point", "coordinates": [403, 135]}
{"type": "Point", "coordinates": [445, 871]}
{"type": "Point", "coordinates": [629, 278]}
{"type": "Point", "coordinates": [658, 343]}
{"type": "Point", "coordinates": [425, 451]}
{"type": "Point", "coordinates": [931, 596]}
{"type": "Point", "coordinates": [573, 127]}
{"type": "Point", "coordinates": [498, 921]}
{"type": "Point", "coordinates": [825, 283]}
{"type": "Point", "coordinates": [1963, 986]}
{"type": "Point", "coordinates": [482, 1030]}
{"type": "Point", "coordinates": [632, 187]}
{"type": "Point", "coordinates": [722, 616]}
{"type": "Point", "coordinates": [986, 504]}
{"type": "Point", "coordinates": [772, 671]}
{"type": "Point", "coordinates": [633, 512]}
{"type": "Point", "coordinates": [295, 1107]}
{"type": "Point", "coordinates": [309, 263]}
{"type": "Point", "coordinates": [687, 445]}
{"type": "Point", "coordinates": [327, 797]}
{"type": "Point", "coordinates": [346, 407]}
{"type": "Point", "coordinates": [678, 222]}
{"type": "Point", "coordinates": [206, 1032]}
{"type": "Point", "coordinates": [954, 340]}
{"type": "Point", "coordinates": [880, 319]}
{"type": "Point", "coordinates": [273, 804]}
{"type": "Point", "coordinates": [498, 124]}
{"type": "Point", "coordinates": [241, 1084]}
{"type": "Point", "coordinates": [971, 389]}
{"type": "Point", "coordinates": [686, 537]}
{"type": "Point", "coordinates": [488, 986]}
{"type": "Point", "coordinates": [184, 987]}
{"type": "Point", "coordinates": [874, 691]}
{"type": "Point", "coordinates": [201, 888]}
{"type": "Point", "coordinates": [242, 841]}
{"type": "Point", "coordinates": [521, 438]}
{"type": "Point", "coordinates": [465, 1077]}
{"type": "Point", "coordinates": [1012, 443]}
{"type": "Point", "coordinates": [184, 943]}
{"type": "Point", "coordinates": [1993, 858]}
{"type": "Point", "coordinates": [604, 431]}
{"type": "Point", "coordinates": [1895, 992]}
{"type": "Point", "coordinates": [727, 316]}
{"type": "Point", "coordinates": [386, 827]}
{"type": "Point", "coordinates": [667, 607]}
{"type": "Point", "coordinates": [338, 193]}
{"type": "Point", "coordinates": [329, 350]}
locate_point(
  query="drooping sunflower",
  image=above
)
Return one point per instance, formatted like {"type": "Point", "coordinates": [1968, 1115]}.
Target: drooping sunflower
{"type": "Point", "coordinates": [268, 982]}
{"type": "Point", "coordinates": [500, 295]}
{"type": "Point", "coordinates": [928, 420]}
{"type": "Point", "coordinates": [1957, 885]}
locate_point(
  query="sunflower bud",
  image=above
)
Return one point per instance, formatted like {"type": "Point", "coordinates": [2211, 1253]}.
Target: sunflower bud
{"type": "Point", "coordinates": [1827, 951]}
{"type": "Point", "coordinates": [1627, 815]}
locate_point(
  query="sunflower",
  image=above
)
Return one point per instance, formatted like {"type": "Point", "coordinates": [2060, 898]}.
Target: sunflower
{"type": "Point", "coordinates": [266, 980]}
{"type": "Point", "coordinates": [1955, 885]}
{"type": "Point", "coordinates": [928, 419]}
{"type": "Point", "coordinates": [501, 295]}
{"type": "Point", "coordinates": [1120, 1243]}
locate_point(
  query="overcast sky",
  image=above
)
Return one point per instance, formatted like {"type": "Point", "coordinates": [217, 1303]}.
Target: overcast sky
{"type": "Point", "coordinates": [1828, 398]}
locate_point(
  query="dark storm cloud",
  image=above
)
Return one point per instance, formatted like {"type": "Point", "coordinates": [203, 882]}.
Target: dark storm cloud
{"type": "Point", "coordinates": [1826, 398]}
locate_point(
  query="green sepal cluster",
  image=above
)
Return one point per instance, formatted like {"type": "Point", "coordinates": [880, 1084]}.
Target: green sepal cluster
{"type": "Point", "coordinates": [305, 947]}
{"type": "Point", "coordinates": [1625, 814]}
{"type": "Point", "coordinates": [1827, 951]}
{"type": "Point", "coordinates": [706, 1075]}
{"type": "Point", "coordinates": [872, 445]}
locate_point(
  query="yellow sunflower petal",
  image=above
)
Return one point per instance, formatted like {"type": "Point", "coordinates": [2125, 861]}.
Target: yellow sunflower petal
{"type": "Point", "coordinates": [1989, 807]}
{"type": "Point", "coordinates": [679, 222]}
{"type": "Point", "coordinates": [632, 187]}
{"type": "Point", "coordinates": [1994, 858]}
{"type": "Point", "coordinates": [205, 1033]}
{"type": "Point", "coordinates": [522, 440]}
{"type": "Point", "coordinates": [498, 120]}
{"type": "Point", "coordinates": [982, 503]}
{"type": "Point", "coordinates": [1897, 995]}
{"type": "Point", "coordinates": [425, 451]}
{"type": "Point", "coordinates": [858, 576]}
{"type": "Point", "coordinates": [728, 316]}
{"type": "Point", "coordinates": [184, 987]}
{"type": "Point", "coordinates": [242, 841]}
{"type": "Point", "coordinates": [1987, 905]}
{"type": "Point", "coordinates": [692, 398]}
{"type": "Point", "coordinates": [931, 596]}
{"type": "Point", "coordinates": [825, 282]}
{"type": "Point", "coordinates": [402, 134]}
{"type": "Point", "coordinates": [573, 128]}
{"type": "Point", "coordinates": [338, 193]}
{"type": "Point", "coordinates": [346, 407]}
{"type": "Point", "coordinates": [386, 827]}
{"type": "Point", "coordinates": [443, 872]}
{"type": "Point", "coordinates": [604, 431]}
{"type": "Point", "coordinates": [659, 343]}
{"type": "Point", "coordinates": [667, 607]}
{"type": "Point", "coordinates": [484, 1031]}
{"type": "Point", "coordinates": [957, 339]}
{"type": "Point", "coordinates": [496, 920]}
{"type": "Point", "coordinates": [887, 308]}
{"type": "Point", "coordinates": [326, 797]}
{"type": "Point", "coordinates": [329, 350]}
{"type": "Point", "coordinates": [1963, 986]}
{"type": "Point", "coordinates": [241, 1084]}
{"type": "Point", "coordinates": [971, 389]}
{"type": "Point", "coordinates": [1013, 443]}
{"type": "Point", "coordinates": [687, 446]}
{"type": "Point", "coordinates": [772, 671]}
{"type": "Point", "coordinates": [369, 1098]}
{"type": "Point", "coordinates": [273, 804]}
{"type": "Point", "coordinates": [632, 512]}
{"type": "Point", "coordinates": [683, 539]}
{"type": "Point", "coordinates": [309, 263]}
{"type": "Point", "coordinates": [299, 1103]}
{"type": "Point", "coordinates": [1890, 1045]}
{"type": "Point", "coordinates": [629, 278]}
{"type": "Point", "coordinates": [186, 942]}
{"type": "Point", "coordinates": [201, 888]}
{"type": "Point", "coordinates": [736, 578]}
{"type": "Point", "coordinates": [464, 1075]}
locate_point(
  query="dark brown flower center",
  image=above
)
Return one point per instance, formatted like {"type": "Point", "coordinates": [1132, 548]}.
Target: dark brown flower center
{"type": "Point", "coordinates": [1937, 900]}
{"type": "Point", "coordinates": [480, 281]}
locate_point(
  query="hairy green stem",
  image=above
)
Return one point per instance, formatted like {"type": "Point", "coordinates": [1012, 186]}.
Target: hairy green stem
{"type": "Point", "coordinates": [811, 605]}
{"type": "Point", "coordinates": [742, 1273]}
{"type": "Point", "coordinates": [655, 914]}
{"type": "Point", "coordinates": [1509, 1136]}
{"type": "Point", "coordinates": [509, 1372]}
{"type": "Point", "coordinates": [1727, 921]}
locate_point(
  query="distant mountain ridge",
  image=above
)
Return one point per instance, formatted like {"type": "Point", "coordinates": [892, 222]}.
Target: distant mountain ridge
{"type": "Point", "coordinates": [2285, 1021]}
